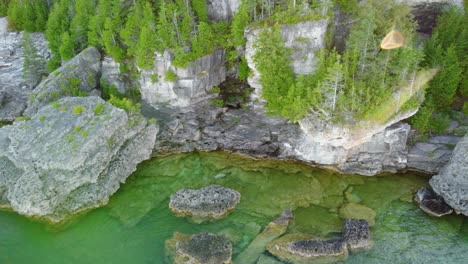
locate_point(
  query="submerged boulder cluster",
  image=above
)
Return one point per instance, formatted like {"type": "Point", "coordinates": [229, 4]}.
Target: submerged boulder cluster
{"type": "Point", "coordinates": [211, 202]}
{"type": "Point", "coordinates": [304, 248]}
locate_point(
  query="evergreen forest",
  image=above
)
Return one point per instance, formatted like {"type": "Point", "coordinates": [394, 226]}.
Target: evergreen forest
{"type": "Point", "coordinates": [351, 83]}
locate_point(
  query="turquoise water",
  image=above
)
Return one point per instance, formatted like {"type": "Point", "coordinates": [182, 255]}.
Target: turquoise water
{"type": "Point", "coordinates": [133, 227]}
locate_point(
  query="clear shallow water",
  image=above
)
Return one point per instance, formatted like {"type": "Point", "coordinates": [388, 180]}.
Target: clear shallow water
{"type": "Point", "coordinates": [133, 227]}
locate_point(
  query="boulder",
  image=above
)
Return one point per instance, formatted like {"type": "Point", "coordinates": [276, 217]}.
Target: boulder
{"type": "Point", "coordinates": [357, 211]}
{"type": "Point", "coordinates": [357, 235]}
{"type": "Point", "coordinates": [301, 248]}
{"type": "Point", "coordinates": [211, 202]}
{"type": "Point", "coordinates": [431, 155]}
{"type": "Point", "coordinates": [70, 156]}
{"type": "Point", "coordinates": [273, 230]}
{"type": "Point", "coordinates": [202, 248]}
{"type": "Point", "coordinates": [77, 77]}
{"type": "Point", "coordinates": [14, 90]}
{"type": "Point", "coordinates": [452, 181]}
{"type": "Point", "coordinates": [431, 203]}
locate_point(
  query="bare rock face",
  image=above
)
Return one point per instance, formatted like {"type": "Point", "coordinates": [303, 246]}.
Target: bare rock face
{"type": "Point", "coordinates": [452, 181]}
{"type": "Point", "coordinates": [70, 156]}
{"type": "Point", "coordinates": [202, 248]}
{"type": "Point", "coordinates": [193, 82]}
{"type": "Point", "coordinates": [427, 11]}
{"type": "Point", "coordinates": [357, 235]}
{"type": "Point", "coordinates": [431, 203]}
{"type": "Point", "coordinates": [433, 154]}
{"type": "Point", "coordinates": [211, 202]}
{"type": "Point", "coordinates": [222, 10]}
{"type": "Point", "coordinates": [79, 75]}
{"type": "Point", "coordinates": [14, 90]}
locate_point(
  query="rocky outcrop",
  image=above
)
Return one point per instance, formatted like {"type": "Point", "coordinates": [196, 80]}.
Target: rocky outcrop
{"type": "Point", "coordinates": [304, 38]}
{"type": "Point", "coordinates": [211, 202]}
{"type": "Point", "coordinates": [452, 181]}
{"type": "Point", "coordinates": [77, 77]}
{"type": "Point", "coordinates": [70, 156]}
{"type": "Point", "coordinates": [273, 230]}
{"type": "Point", "coordinates": [202, 248]}
{"type": "Point", "coordinates": [191, 85]}
{"type": "Point", "coordinates": [252, 132]}
{"type": "Point", "coordinates": [432, 155]}
{"type": "Point", "coordinates": [14, 90]}
{"type": "Point", "coordinates": [385, 151]}
{"type": "Point", "coordinates": [222, 10]}
{"type": "Point", "coordinates": [431, 203]}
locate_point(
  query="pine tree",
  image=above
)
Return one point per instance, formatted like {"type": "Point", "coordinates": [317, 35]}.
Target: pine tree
{"type": "Point", "coordinates": [443, 87]}
{"type": "Point", "coordinates": [84, 10]}
{"type": "Point", "coordinates": [67, 47]}
{"type": "Point", "coordinates": [58, 23]}
{"type": "Point", "coordinates": [239, 23]}
{"type": "Point", "coordinates": [34, 66]}
{"type": "Point", "coordinates": [96, 23]}
{"type": "Point", "coordinates": [199, 6]}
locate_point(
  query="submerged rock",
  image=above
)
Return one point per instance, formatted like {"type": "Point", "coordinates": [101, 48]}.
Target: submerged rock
{"type": "Point", "coordinates": [203, 248]}
{"type": "Point", "coordinates": [77, 77]}
{"type": "Point", "coordinates": [356, 234]}
{"type": "Point", "coordinates": [431, 203]}
{"type": "Point", "coordinates": [301, 248]}
{"type": "Point", "coordinates": [211, 202]}
{"type": "Point", "coordinates": [70, 156]}
{"type": "Point", "coordinates": [274, 230]}
{"type": "Point", "coordinates": [452, 181]}
{"type": "Point", "coordinates": [357, 211]}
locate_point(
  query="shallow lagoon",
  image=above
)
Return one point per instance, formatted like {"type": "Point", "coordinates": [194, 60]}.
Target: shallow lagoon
{"type": "Point", "coordinates": [133, 227]}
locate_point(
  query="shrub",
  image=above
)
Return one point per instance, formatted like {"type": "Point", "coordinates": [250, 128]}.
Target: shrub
{"type": "Point", "coordinates": [78, 109]}
{"type": "Point", "coordinates": [125, 104]}
{"type": "Point", "coordinates": [215, 90]}
{"type": "Point", "coordinates": [99, 109]}
{"type": "Point", "coordinates": [170, 76]}
{"type": "Point", "coordinates": [216, 102]}
{"type": "Point", "coordinates": [465, 108]}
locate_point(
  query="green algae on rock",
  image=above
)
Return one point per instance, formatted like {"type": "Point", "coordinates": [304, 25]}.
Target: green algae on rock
{"type": "Point", "coordinates": [272, 231]}
{"type": "Point", "coordinates": [357, 211]}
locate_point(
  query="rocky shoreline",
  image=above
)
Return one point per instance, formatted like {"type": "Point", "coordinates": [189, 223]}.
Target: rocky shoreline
{"type": "Point", "coordinates": [187, 120]}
